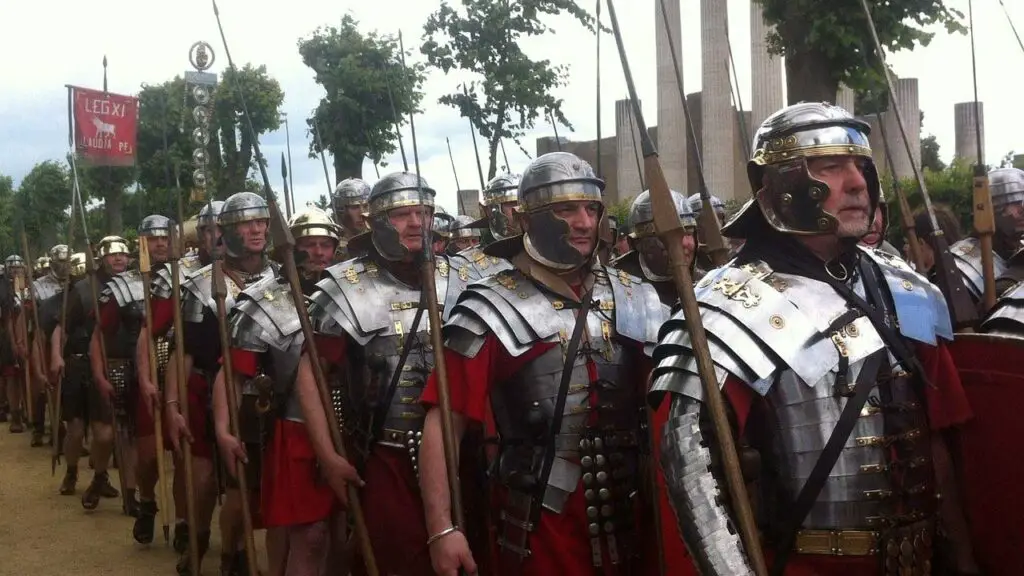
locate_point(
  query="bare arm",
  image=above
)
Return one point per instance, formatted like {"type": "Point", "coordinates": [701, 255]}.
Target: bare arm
{"type": "Point", "coordinates": [142, 356]}
{"type": "Point", "coordinates": [56, 352]}
{"type": "Point", "coordinates": [434, 486]}
{"type": "Point", "coordinates": [96, 359]}
{"type": "Point", "coordinates": [221, 417]}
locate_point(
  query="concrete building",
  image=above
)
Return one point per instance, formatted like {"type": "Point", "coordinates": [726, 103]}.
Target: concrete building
{"type": "Point", "coordinates": [766, 85]}
{"type": "Point", "coordinates": [966, 130]}
{"type": "Point", "coordinates": [718, 126]}
{"type": "Point", "coordinates": [846, 99]}
{"type": "Point", "coordinates": [671, 119]}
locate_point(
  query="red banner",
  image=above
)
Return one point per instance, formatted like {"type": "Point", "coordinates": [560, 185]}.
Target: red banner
{"type": "Point", "coordinates": [105, 127]}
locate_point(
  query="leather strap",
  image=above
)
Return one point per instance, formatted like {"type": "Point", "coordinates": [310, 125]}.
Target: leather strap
{"type": "Point", "coordinates": [827, 461]}
{"type": "Point", "coordinates": [563, 392]}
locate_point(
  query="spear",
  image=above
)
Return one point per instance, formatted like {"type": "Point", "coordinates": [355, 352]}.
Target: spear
{"type": "Point", "coordinates": [26, 369]}
{"type": "Point", "coordinates": [437, 342]}
{"type": "Point", "coordinates": [731, 65]}
{"type": "Point", "coordinates": [323, 157]}
{"type": "Point", "coordinates": [394, 117]}
{"type": "Point", "coordinates": [452, 159]}
{"type": "Point", "coordinates": [40, 338]}
{"type": "Point", "coordinates": [708, 220]}
{"type": "Point", "coordinates": [597, 92]}
{"type": "Point", "coordinates": [285, 243]}
{"type": "Point", "coordinates": [984, 216]}
{"type": "Point", "coordinates": [554, 127]}
{"type": "Point", "coordinates": [146, 269]}
{"type": "Point", "coordinates": [472, 132]}
{"type": "Point", "coordinates": [1012, 27]}
{"type": "Point", "coordinates": [909, 227]}
{"type": "Point", "coordinates": [284, 179]}
{"type": "Point", "coordinates": [961, 308]}
{"type": "Point", "coordinates": [672, 233]}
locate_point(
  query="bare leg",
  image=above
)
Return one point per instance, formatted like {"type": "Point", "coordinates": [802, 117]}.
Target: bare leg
{"type": "Point", "coordinates": [308, 547]}
{"type": "Point", "coordinates": [15, 395]}
{"type": "Point", "coordinates": [147, 474]}
{"type": "Point", "coordinates": [72, 453]}
{"type": "Point", "coordinates": [277, 550]}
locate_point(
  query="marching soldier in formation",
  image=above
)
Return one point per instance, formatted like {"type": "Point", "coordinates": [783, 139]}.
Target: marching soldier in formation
{"type": "Point", "coordinates": [570, 435]}
{"type": "Point", "coordinates": [296, 507]}
{"type": "Point", "coordinates": [45, 287]}
{"type": "Point", "coordinates": [1007, 188]}
{"type": "Point", "coordinates": [378, 363]}
{"type": "Point", "coordinates": [499, 206]}
{"type": "Point", "coordinates": [161, 326]}
{"type": "Point", "coordinates": [442, 230]}
{"type": "Point", "coordinates": [122, 318]}
{"type": "Point", "coordinates": [86, 398]}
{"type": "Point", "coordinates": [243, 223]}
{"type": "Point", "coordinates": [822, 345]}
{"type": "Point", "coordinates": [703, 260]}
{"type": "Point", "coordinates": [648, 258]}
{"type": "Point", "coordinates": [464, 235]}
{"type": "Point", "coordinates": [349, 201]}
{"type": "Point", "coordinates": [15, 345]}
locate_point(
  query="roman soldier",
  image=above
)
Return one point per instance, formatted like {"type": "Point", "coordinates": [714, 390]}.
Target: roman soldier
{"type": "Point", "coordinates": [349, 201]}
{"type": "Point", "coordinates": [243, 222]}
{"type": "Point", "coordinates": [648, 259]}
{"type": "Point", "coordinates": [1007, 188]}
{"type": "Point", "coordinates": [122, 317]}
{"type": "Point", "coordinates": [45, 287]}
{"type": "Point", "coordinates": [500, 201]}
{"type": "Point", "coordinates": [42, 267]}
{"type": "Point", "coordinates": [570, 430]}
{"type": "Point", "coordinates": [15, 351]}
{"type": "Point", "coordinates": [442, 230]}
{"type": "Point", "coordinates": [379, 359]}
{"type": "Point", "coordinates": [823, 347]}
{"type": "Point", "coordinates": [84, 396]}
{"type": "Point", "coordinates": [463, 234]}
{"type": "Point", "coordinates": [296, 507]}
{"type": "Point", "coordinates": [161, 326]}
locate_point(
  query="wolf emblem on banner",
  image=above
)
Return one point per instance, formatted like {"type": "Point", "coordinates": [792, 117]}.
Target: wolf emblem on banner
{"type": "Point", "coordinates": [991, 372]}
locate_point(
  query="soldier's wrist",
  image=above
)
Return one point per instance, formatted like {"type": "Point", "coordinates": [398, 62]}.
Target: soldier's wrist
{"type": "Point", "coordinates": [451, 529]}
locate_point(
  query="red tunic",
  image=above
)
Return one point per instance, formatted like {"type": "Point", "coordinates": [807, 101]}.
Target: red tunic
{"type": "Point", "coordinates": [291, 490]}
{"type": "Point", "coordinates": [560, 543]}
{"type": "Point", "coordinates": [163, 318]}
{"type": "Point", "coordinates": [391, 499]}
{"type": "Point", "coordinates": [947, 406]}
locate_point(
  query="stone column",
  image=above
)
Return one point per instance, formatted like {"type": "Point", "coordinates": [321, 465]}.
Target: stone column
{"type": "Point", "coordinates": [469, 203]}
{"type": "Point", "coordinates": [907, 100]}
{"type": "Point", "coordinates": [846, 99]}
{"type": "Point", "coordinates": [966, 130]}
{"type": "Point", "coordinates": [627, 146]}
{"type": "Point", "coordinates": [671, 119]}
{"type": "Point", "coordinates": [765, 71]}
{"type": "Point", "coordinates": [719, 119]}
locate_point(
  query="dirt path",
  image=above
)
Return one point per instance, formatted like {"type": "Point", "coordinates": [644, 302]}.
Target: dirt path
{"type": "Point", "coordinates": [45, 534]}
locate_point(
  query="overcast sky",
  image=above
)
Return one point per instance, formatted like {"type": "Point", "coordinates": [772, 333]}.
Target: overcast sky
{"type": "Point", "coordinates": [46, 45]}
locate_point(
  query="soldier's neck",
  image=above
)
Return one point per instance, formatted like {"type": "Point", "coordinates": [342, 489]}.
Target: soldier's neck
{"type": "Point", "coordinates": [826, 246]}
{"type": "Point", "coordinates": [251, 263]}
{"type": "Point", "coordinates": [407, 271]}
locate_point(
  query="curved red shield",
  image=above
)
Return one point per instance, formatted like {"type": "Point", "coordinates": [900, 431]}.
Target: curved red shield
{"type": "Point", "coordinates": [992, 371]}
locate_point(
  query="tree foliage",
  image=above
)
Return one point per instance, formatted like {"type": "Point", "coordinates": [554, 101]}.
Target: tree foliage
{"type": "Point", "coordinates": [7, 240]}
{"type": "Point", "coordinates": [824, 47]}
{"type": "Point", "coordinates": [513, 90]}
{"type": "Point", "coordinates": [930, 154]}
{"type": "Point", "coordinates": [40, 206]}
{"type": "Point", "coordinates": [361, 74]}
{"type": "Point", "coordinates": [952, 186]}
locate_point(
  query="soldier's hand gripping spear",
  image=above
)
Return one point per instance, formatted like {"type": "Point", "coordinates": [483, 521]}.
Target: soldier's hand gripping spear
{"type": "Point", "coordinates": [156, 408]}
{"type": "Point", "coordinates": [284, 242]}
{"type": "Point", "coordinates": [671, 232]}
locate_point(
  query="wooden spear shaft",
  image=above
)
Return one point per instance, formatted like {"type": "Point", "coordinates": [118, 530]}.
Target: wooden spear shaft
{"type": "Point", "coordinates": [220, 296]}
{"type": "Point", "coordinates": [181, 385]}
{"type": "Point", "coordinates": [145, 267]}
{"type": "Point", "coordinates": [672, 233]}
{"type": "Point", "coordinates": [39, 341]}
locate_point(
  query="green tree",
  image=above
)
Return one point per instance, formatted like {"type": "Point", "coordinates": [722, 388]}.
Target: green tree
{"type": "Point", "coordinates": [513, 90]}
{"type": "Point", "coordinates": [825, 47]}
{"type": "Point", "coordinates": [930, 154]}
{"type": "Point", "coordinates": [952, 186]}
{"type": "Point", "coordinates": [107, 183]}
{"type": "Point", "coordinates": [354, 117]}
{"type": "Point", "coordinates": [7, 240]}
{"type": "Point", "coordinates": [40, 205]}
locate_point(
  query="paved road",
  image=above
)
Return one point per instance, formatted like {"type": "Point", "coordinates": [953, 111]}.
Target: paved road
{"type": "Point", "coordinates": [45, 534]}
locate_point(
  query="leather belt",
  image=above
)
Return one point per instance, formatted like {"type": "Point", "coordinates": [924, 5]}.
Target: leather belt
{"type": "Point", "coordinates": [837, 542]}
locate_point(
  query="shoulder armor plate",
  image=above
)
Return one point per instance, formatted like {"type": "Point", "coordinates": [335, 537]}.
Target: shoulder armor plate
{"type": "Point", "coordinates": [268, 304]}
{"type": "Point", "coordinates": [1007, 316]}
{"type": "Point", "coordinates": [921, 308]}
{"type": "Point", "coordinates": [967, 256]}
{"type": "Point", "coordinates": [125, 288]}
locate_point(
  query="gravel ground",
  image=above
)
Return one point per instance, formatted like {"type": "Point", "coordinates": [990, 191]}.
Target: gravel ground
{"type": "Point", "coordinates": [45, 534]}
